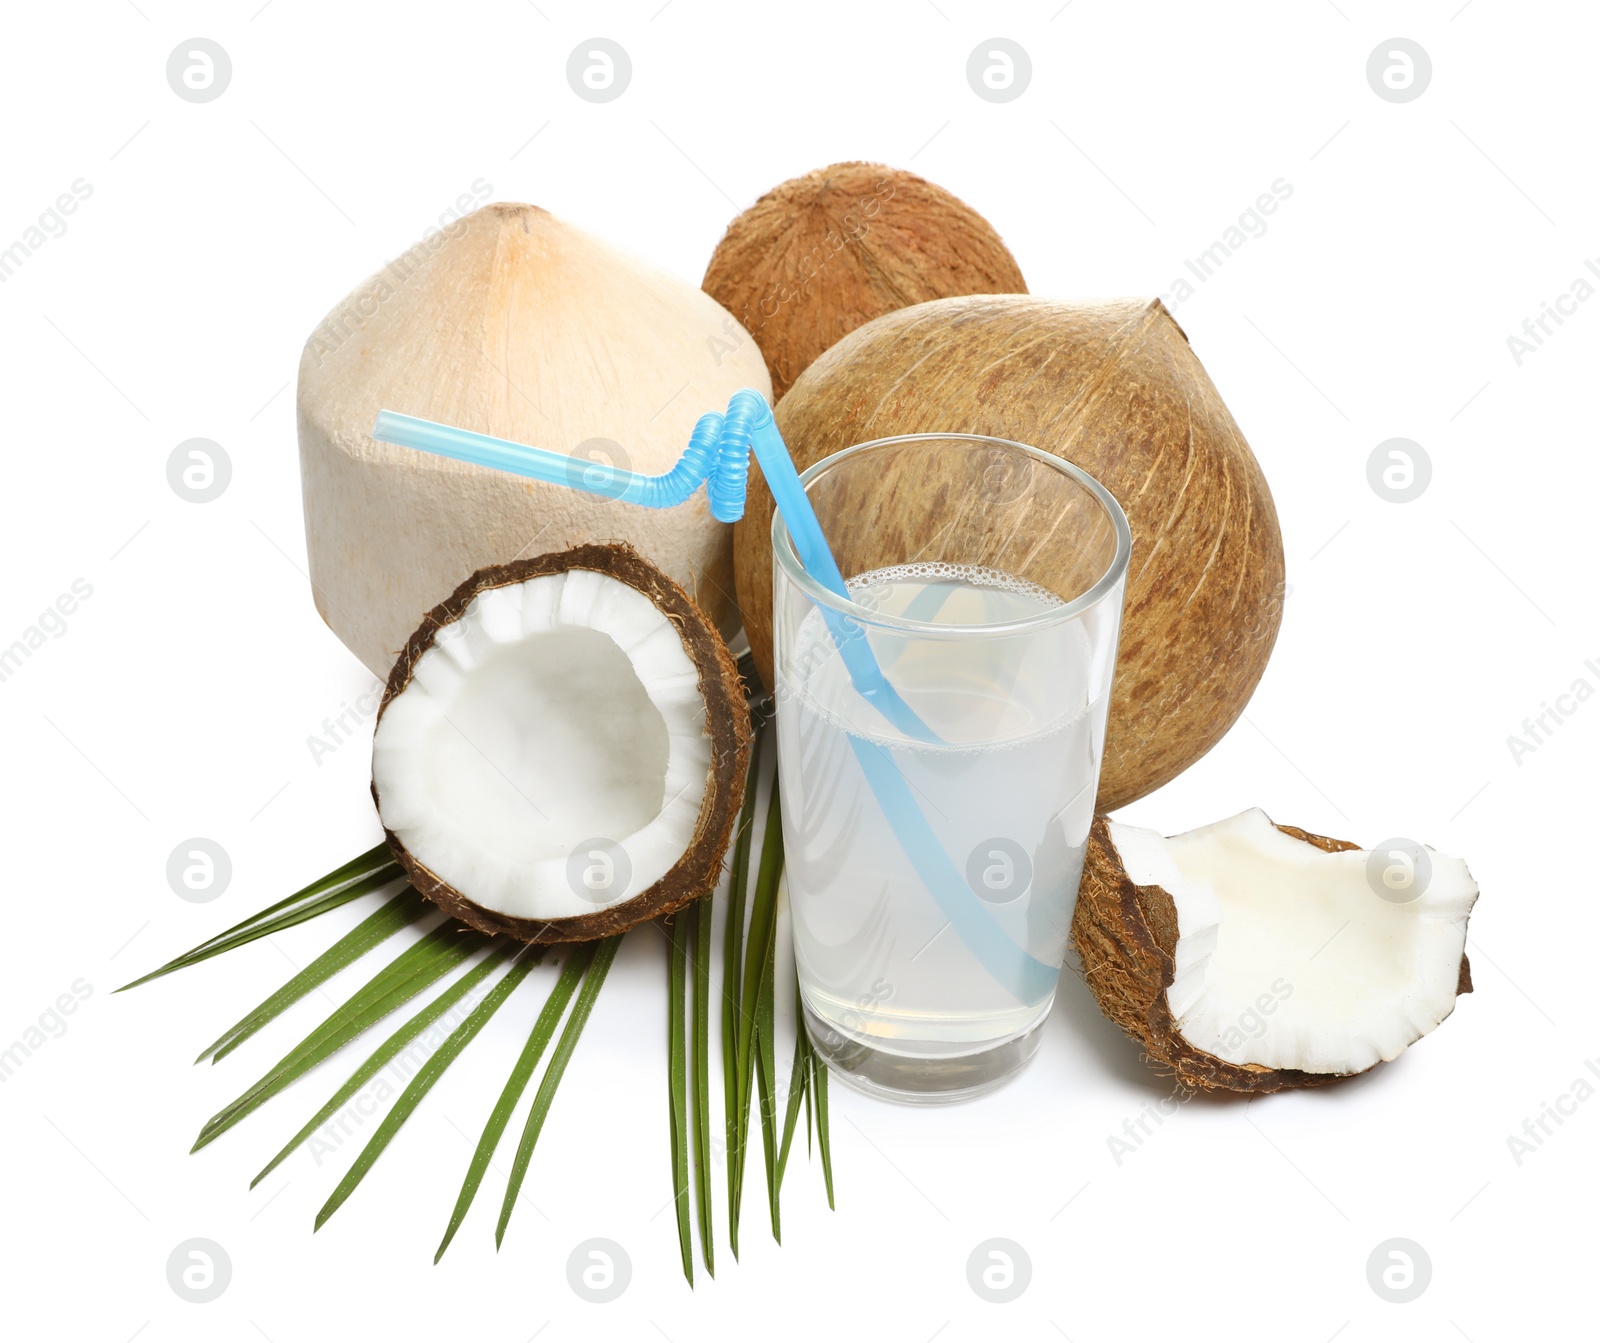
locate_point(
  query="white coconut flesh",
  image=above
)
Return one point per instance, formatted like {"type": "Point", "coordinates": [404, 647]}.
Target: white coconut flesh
{"type": "Point", "coordinates": [558, 717]}
{"type": "Point", "coordinates": [1287, 957]}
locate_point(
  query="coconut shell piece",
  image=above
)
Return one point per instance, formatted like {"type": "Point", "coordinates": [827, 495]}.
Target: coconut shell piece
{"type": "Point", "coordinates": [1115, 388]}
{"type": "Point", "coordinates": [727, 720]}
{"type": "Point", "coordinates": [822, 254]}
{"type": "Point", "coordinates": [1126, 936]}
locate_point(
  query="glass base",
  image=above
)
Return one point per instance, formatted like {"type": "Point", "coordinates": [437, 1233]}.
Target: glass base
{"type": "Point", "coordinates": [921, 1080]}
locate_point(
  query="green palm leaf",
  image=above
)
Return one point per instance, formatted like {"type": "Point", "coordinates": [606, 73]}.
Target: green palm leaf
{"type": "Point", "coordinates": [400, 912]}
{"type": "Point", "coordinates": [373, 870]}
{"type": "Point", "coordinates": [677, 1086]}
{"type": "Point", "coordinates": [543, 1028]}
{"type": "Point", "coordinates": [758, 949]}
{"type": "Point", "coordinates": [427, 1075]}
{"type": "Point", "coordinates": [799, 1076]}
{"type": "Point", "coordinates": [701, 1062]}
{"type": "Point", "coordinates": [499, 950]}
{"type": "Point", "coordinates": [819, 1083]}
{"type": "Point", "coordinates": [420, 965]}
{"type": "Point", "coordinates": [603, 954]}
{"type": "Point", "coordinates": [748, 1034]}
{"type": "Point", "coordinates": [732, 944]}
{"type": "Point", "coordinates": [766, 1078]}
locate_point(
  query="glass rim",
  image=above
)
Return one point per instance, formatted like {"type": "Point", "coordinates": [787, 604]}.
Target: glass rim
{"type": "Point", "coordinates": [784, 553]}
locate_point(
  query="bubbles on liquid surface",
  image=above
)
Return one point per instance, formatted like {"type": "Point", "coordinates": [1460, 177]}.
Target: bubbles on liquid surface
{"type": "Point", "coordinates": [925, 573]}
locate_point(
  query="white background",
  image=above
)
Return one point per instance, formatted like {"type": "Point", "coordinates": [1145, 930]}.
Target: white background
{"type": "Point", "coordinates": [1417, 638]}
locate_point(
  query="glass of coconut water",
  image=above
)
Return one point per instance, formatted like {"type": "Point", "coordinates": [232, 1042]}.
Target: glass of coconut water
{"type": "Point", "coordinates": [933, 857]}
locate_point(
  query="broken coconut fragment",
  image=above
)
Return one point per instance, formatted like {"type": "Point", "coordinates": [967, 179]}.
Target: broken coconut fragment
{"type": "Point", "coordinates": [1251, 957]}
{"type": "Point", "coordinates": [561, 749]}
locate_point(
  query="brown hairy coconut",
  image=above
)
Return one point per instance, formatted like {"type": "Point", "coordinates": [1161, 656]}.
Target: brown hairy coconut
{"type": "Point", "coordinates": [1248, 957]}
{"type": "Point", "coordinates": [822, 254]}
{"type": "Point", "coordinates": [1115, 388]}
{"type": "Point", "coordinates": [561, 749]}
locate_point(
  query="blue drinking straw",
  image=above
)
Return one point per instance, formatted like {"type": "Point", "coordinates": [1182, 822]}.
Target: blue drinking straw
{"type": "Point", "coordinates": [718, 456]}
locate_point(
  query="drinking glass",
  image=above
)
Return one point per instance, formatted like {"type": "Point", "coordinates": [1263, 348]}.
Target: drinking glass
{"type": "Point", "coordinates": [933, 853]}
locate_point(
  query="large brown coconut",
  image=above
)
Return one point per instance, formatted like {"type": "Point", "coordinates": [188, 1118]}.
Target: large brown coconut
{"type": "Point", "coordinates": [1115, 388]}
{"type": "Point", "coordinates": [515, 324]}
{"type": "Point", "coordinates": [561, 749]}
{"type": "Point", "coordinates": [1246, 957]}
{"type": "Point", "coordinates": [822, 254]}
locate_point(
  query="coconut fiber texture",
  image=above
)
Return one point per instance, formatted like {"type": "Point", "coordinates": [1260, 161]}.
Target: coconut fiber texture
{"type": "Point", "coordinates": [822, 254]}
{"type": "Point", "coordinates": [1115, 388]}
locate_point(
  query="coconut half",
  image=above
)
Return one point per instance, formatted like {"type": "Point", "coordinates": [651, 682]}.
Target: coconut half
{"type": "Point", "coordinates": [560, 752]}
{"type": "Point", "coordinates": [1251, 957]}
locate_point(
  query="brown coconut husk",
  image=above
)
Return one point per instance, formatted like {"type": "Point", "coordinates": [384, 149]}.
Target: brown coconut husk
{"type": "Point", "coordinates": [1126, 937]}
{"type": "Point", "coordinates": [727, 722]}
{"type": "Point", "coordinates": [822, 254]}
{"type": "Point", "coordinates": [1114, 388]}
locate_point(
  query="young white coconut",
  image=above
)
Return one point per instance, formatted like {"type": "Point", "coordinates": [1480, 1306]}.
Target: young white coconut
{"type": "Point", "coordinates": [561, 749]}
{"type": "Point", "coordinates": [1251, 957]}
{"type": "Point", "coordinates": [513, 323]}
